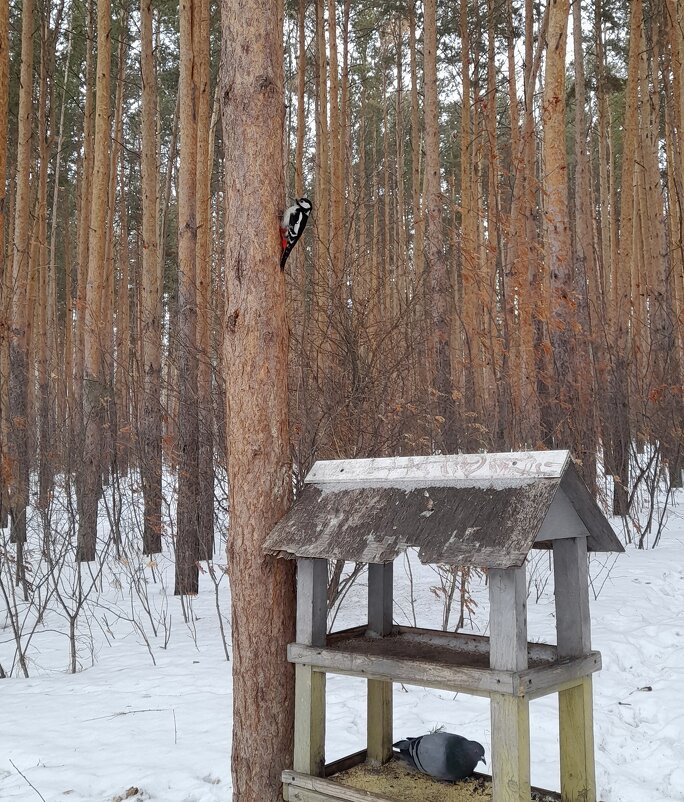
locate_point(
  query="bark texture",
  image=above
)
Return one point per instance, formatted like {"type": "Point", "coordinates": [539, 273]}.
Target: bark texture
{"type": "Point", "coordinates": [4, 268]}
{"type": "Point", "coordinates": [150, 434]}
{"type": "Point", "coordinates": [256, 334]}
{"type": "Point", "coordinates": [440, 288]}
{"type": "Point", "coordinates": [94, 387]}
{"type": "Point", "coordinates": [562, 301]}
{"type": "Point", "coordinates": [18, 345]}
{"type": "Point", "coordinates": [187, 535]}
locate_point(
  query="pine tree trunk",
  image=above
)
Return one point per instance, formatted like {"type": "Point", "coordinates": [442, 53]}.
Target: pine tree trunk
{"type": "Point", "coordinates": [4, 264]}
{"type": "Point", "coordinates": [606, 236]}
{"type": "Point", "coordinates": [470, 267]}
{"type": "Point", "coordinates": [187, 532]}
{"type": "Point", "coordinates": [420, 294]}
{"type": "Point", "coordinates": [62, 351]}
{"type": "Point", "coordinates": [586, 275]}
{"type": "Point", "coordinates": [95, 334]}
{"type": "Point", "coordinates": [530, 287]}
{"type": "Point", "coordinates": [323, 201]}
{"type": "Point", "coordinates": [440, 290]}
{"type": "Point", "coordinates": [205, 454]}
{"type": "Point", "coordinates": [401, 260]}
{"type": "Point", "coordinates": [109, 310]}
{"type": "Point", "coordinates": [44, 388]}
{"type": "Point", "coordinates": [85, 191]}
{"type": "Point", "coordinates": [122, 382]}
{"type": "Point", "coordinates": [561, 400]}
{"type": "Point", "coordinates": [621, 277]}
{"type": "Point", "coordinates": [337, 231]}
{"type": "Point", "coordinates": [262, 588]}
{"type": "Point", "coordinates": [297, 258]}
{"type": "Point", "coordinates": [151, 296]}
{"type": "Point", "coordinates": [19, 315]}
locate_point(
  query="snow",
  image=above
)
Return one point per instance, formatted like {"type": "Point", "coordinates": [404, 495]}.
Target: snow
{"type": "Point", "coordinates": [122, 722]}
{"type": "Point", "coordinates": [441, 470]}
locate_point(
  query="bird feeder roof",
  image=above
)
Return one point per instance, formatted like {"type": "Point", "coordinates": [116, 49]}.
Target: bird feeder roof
{"type": "Point", "coordinates": [485, 510]}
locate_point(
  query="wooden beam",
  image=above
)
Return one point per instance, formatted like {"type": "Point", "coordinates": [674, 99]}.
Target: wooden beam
{"type": "Point", "coordinates": [379, 721]}
{"type": "Point", "coordinates": [508, 619]}
{"type": "Point", "coordinates": [380, 598]}
{"type": "Point", "coordinates": [510, 715]}
{"type": "Point", "coordinates": [510, 749]}
{"type": "Point", "coordinates": [312, 601]}
{"type": "Point", "coordinates": [549, 679]}
{"type": "Point", "coordinates": [309, 723]}
{"type": "Point", "coordinates": [345, 763]}
{"type": "Point", "coordinates": [304, 795]}
{"type": "Point", "coordinates": [575, 705]}
{"type": "Point", "coordinates": [329, 788]}
{"type": "Point", "coordinates": [576, 728]}
{"type": "Point", "coordinates": [571, 580]}
{"type": "Point", "coordinates": [379, 708]}
{"type": "Point", "coordinates": [479, 682]}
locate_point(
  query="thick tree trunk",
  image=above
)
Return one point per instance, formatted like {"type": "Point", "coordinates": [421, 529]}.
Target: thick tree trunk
{"type": "Point", "coordinates": [263, 589]}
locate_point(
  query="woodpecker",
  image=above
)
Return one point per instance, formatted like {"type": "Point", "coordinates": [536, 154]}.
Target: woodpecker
{"type": "Point", "coordinates": [293, 223]}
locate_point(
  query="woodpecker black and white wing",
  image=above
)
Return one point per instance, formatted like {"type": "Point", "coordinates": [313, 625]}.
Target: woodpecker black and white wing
{"type": "Point", "coordinates": [294, 222]}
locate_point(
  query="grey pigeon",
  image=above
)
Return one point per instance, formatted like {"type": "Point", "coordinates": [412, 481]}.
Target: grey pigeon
{"type": "Point", "coordinates": [442, 755]}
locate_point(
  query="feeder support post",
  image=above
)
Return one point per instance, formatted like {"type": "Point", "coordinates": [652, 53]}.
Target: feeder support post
{"type": "Point", "coordinates": [379, 714]}
{"type": "Point", "coordinates": [575, 705]}
{"type": "Point", "coordinates": [510, 714]}
{"type": "Point", "coordinates": [312, 608]}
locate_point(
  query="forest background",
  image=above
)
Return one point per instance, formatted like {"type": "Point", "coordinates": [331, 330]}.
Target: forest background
{"type": "Point", "coordinates": [494, 260]}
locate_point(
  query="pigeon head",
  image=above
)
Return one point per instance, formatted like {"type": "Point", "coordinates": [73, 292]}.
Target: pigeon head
{"type": "Point", "coordinates": [477, 752]}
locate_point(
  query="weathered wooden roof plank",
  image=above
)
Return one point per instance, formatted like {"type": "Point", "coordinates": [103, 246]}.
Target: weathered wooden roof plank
{"type": "Point", "coordinates": [484, 510]}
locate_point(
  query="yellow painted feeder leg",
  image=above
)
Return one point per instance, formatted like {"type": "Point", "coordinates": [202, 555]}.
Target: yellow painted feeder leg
{"type": "Point", "coordinates": [379, 721]}
{"type": "Point", "coordinates": [578, 776]}
{"type": "Point", "coordinates": [510, 748]}
{"type": "Point", "coordinates": [309, 723]}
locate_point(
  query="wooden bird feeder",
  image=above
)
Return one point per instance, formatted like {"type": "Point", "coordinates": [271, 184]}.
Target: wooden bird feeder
{"type": "Point", "coordinates": [484, 510]}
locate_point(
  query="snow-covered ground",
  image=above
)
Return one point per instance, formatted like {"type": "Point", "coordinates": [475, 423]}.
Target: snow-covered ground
{"type": "Point", "coordinates": [123, 722]}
